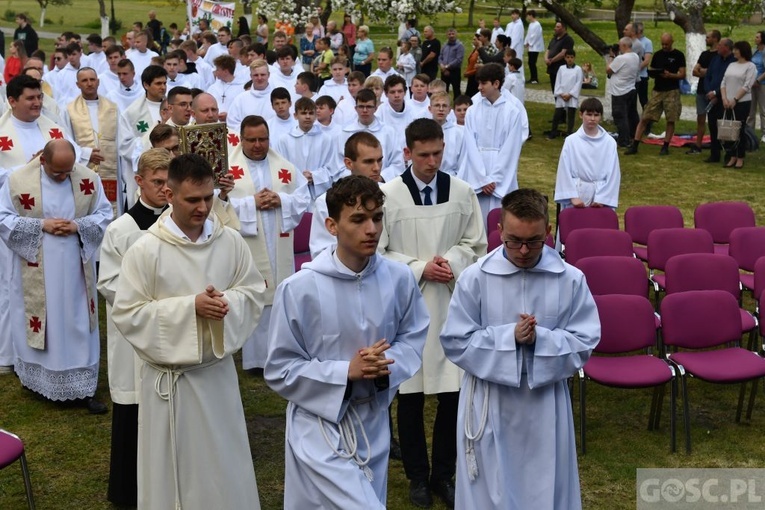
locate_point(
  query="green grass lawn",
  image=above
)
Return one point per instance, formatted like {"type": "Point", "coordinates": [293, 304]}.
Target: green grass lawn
{"type": "Point", "coordinates": [68, 450]}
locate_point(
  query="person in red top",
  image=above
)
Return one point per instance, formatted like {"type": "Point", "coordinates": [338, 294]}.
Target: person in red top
{"type": "Point", "coordinates": [349, 33]}
{"type": "Point", "coordinates": [16, 61]}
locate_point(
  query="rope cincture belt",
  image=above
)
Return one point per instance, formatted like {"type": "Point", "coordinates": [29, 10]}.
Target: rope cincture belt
{"type": "Point", "coordinates": [472, 464]}
{"type": "Point", "coordinates": [348, 438]}
{"type": "Point", "coordinates": [172, 375]}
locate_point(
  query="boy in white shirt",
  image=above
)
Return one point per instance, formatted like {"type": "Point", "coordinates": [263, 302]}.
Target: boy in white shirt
{"type": "Point", "coordinates": [337, 87]}
{"type": "Point", "coordinates": [282, 121]}
{"type": "Point", "coordinates": [568, 85]}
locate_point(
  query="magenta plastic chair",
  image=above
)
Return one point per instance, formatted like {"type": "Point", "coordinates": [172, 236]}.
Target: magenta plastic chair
{"type": "Point", "coordinates": [494, 239]}
{"type": "Point", "coordinates": [591, 242]}
{"type": "Point", "coordinates": [627, 326]}
{"type": "Point", "coordinates": [759, 283]}
{"type": "Point", "coordinates": [574, 218]}
{"type": "Point", "coordinates": [665, 243]}
{"type": "Point", "coordinates": [641, 220]}
{"type": "Point", "coordinates": [610, 274]}
{"type": "Point", "coordinates": [301, 240]}
{"type": "Point", "coordinates": [493, 219]}
{"type": "Point", "coordinates": [747, 244]}
{"type": "Point", "coordinates": [11, 450]}
{"type": "Point", "coordinates": [708, 271]}
{"type": "Point", "coordinates": [721, 218]}
{"type": "Point", "coordinates": [701, 322]}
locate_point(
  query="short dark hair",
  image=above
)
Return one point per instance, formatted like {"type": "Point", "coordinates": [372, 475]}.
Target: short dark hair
{"type": "Point", "coordinates": [177, 91]}
{"type": "Point", "coordinates": [422, 77]}
{"type": "Point", "coordinates": [225, 29]}
{"type": "Point", "coordinates": [162, 132]}
{"type": "Point", "coordinates": [463, 99]}
{"type": "Point", "coordinates": [126, 62]}
{"type": "Point", "coordinates": [393, 80]}
{"type": "Point", "coordinates": [490, 72]}
{"type": "Point", "coordinates": [151, 73]}
{"type": "Point", "coordinates": [188, 167]}
{"type": "Point", "coordinates": [114, 49]}
{"type": "Point", "coordinates": [351, 150]}
{"type": "Point", "coordinates": [304, 104]}
{"type": "Point", "coordinates": [351, 191]}
{"type": "Point", "coordinates": [309, 79]}
{"type": "Point", "coordinates": [326, 101]}
{"type": "Point", "coordinates": [591, 104]}
{"type": "Point", "coordinates": [17, 85]}
{"type": "Point", "coordinates": [280, 93]}
{"type": "Point", "coordinates": [366, 96]}
{"type": "Point", "coordinates": [526, 204]}
{"type": "Point", "coordinates": [258, 48]}
{"type": "Point", "coordinates": [252, 121]}
{"type": "Point", "coordinates": [226, 62]}
{"type": "Point", "coordinates": [423, 130]}
{"type": "Point", "coordinates": [532, 13]}
{"type": "Point", "coordinates": [516, 63]}
{"type": "Point", "coordinates": [571, 52]}
{"type": "Point", "coordinates": [285, 51]}
{"type": "Point", "coordinates": [355, 76]}
{"type": "Point", "coordinates": [94, 39]}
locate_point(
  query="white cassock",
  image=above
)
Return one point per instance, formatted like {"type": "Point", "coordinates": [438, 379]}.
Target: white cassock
{"type": "Point", "coordinates": [214, 51]}
{"type": "Point", "coordinates": [251, 102]}
{"type": "Point", "coordinates": [514, 31]}
{"type": "Point", "coordinates": [312, 151]}
{"type": "Point", "coordinates": [496, 132]}
{"type": "Point", "coordinates": [193, 448]}
{"type": "Point", "coordinates": [336, 91]}
{"type": "Point", "coordinates": [345, 111]}
{"type": "Point", "coordinates": [515, 85]}
{"type": "Point", "coordinates": [205, 72]}
{"type": "Point", "coordinates": [67, 368]}
{"type": "Point", "coordinates": [393, 155]}
{"type": "Point", "coordinates": [321, 317]}
{"type": "Point", "coordinates": [225, 93]}
{"type": "Point", "coordinates": [279, 128]}
{"type": "Point", "coordinates": [569, 81]}
{"type": "Point", "coordinates": [419, 109]}
{"type": "Point", "coordinates": [456, 149]}
{"type": "Point", "coordinates": [384, 74]}
{"type": "Point", "coordinates": [108, 81]}
{"type": "Point", "coordinates": [396, 121]}
{"type": "Point", "coordinates": [123, 97]}
{"type": "Point", "coordinates": [268, 233]}
{"type": "Point", "coordinates": [526, 455]}
{"type": "Point", "coordinates": [140, 60]}
{"type": "Point", "coordinates": [279, 79]}
{"type": "Point", "coordinates": [588, 169]}
{"type": "Point", "coordinates": [135, 122]}
{"type": "Point", "coordinates": [414, 234]}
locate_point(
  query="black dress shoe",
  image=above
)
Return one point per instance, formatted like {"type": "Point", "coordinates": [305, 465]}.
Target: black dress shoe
{"type": "Point", "coordinates": [95, 407]}
{"type": "Point", "coordinates": [444, 489]}
{"type": "Point", "coordinates": [419, 494]}
{"type": "Point", "coordinates": [395, 449]}
{"type": "Point", "coordinates": [712, 160]}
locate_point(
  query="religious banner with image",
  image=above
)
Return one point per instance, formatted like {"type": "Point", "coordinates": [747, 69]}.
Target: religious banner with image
{"type": "Point", "coordinates": [218, 14]}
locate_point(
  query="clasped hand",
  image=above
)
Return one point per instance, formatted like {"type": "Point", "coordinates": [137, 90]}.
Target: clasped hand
{"type": "Point", "coordinates": [370, 362]}
{"type": "Point", "coordinates": [59, 227]}
{"type": "Point", "coordinates": [525, 329]}
{"type": "Point", "coordinates": [211, 304]}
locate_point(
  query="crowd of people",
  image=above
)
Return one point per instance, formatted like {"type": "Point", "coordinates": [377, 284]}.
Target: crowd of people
{"type": "Point", "coordinates": [400, 300]}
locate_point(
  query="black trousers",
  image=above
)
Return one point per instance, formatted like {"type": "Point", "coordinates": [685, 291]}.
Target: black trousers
{"type": "Point", "coordinates": [123, 470]}
{"type": "Point", "coordinates": [642, 91]}
{"type": "Point", "coordinates": [564, 114]}
{"type": "Point", "coordinates": [453, 80]}
{"type": "Point", "coordinates": [533, 56]}
{"type": "Point", "coordinates": [411, 435]}
{"type": "Point", "coordinates": [624, 109]}
{"type": "Point", "coordinates": [715, 113]}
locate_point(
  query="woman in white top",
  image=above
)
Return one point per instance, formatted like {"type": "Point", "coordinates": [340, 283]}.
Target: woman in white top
{"type": "Point", "coordinates": [736, 92]}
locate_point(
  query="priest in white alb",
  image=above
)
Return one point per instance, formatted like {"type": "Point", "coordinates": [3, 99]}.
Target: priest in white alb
{"type": "Point", "coordinates": [53, 214]}
{"type": "Point", "coordinates": [188, 297]}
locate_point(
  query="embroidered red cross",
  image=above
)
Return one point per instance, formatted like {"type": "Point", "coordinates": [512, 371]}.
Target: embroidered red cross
{"type": "Point", "coordinates": [237, 171]}
{"type": "Point", "coordinates": [233, 139]}
{"type": "Point", "coordinates": [56, 133]}
{"type": "Point", "coordinates": [284, 175]}
{"type": "Point", "coordinates": [27, 201]}
{"type": "Point", "coordinates": [92, 306]}
{"type": "Point", "coordinates": [87, 187]}
{"type": "Point", "coordinates": [6, 143]}
{"type": "Point", "coordinates": [35, 324]}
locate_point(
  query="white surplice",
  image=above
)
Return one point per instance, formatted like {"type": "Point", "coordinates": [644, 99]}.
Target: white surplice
{"type": "Point", "coordinates": [312, 151]}
{"type": "Point", "coordinates": [414, 234]}
{"type": "Point", "coordinates": [193, 450]}
{"type": "Point", "coordinates": [525, 456]}
{"type": "Point", "coordinates": [588, 169]}
{"type": "Point", "coordinates": [321, 317]}
{"type": "Point", "coordinates": [393, 155]}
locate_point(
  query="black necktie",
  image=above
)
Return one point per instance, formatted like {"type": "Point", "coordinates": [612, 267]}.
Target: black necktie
{"type": "Point", "coordinates": [427, 190]}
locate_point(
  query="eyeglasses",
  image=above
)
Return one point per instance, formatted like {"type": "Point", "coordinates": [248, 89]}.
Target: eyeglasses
{"type": "Point", "coordinates": [158, 183]}
{"type": "Point", "coordinates": [514, 244]}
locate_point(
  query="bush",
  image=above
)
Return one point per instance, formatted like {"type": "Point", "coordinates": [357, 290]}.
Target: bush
{"type": "Point", "coordinates": [9, 15]}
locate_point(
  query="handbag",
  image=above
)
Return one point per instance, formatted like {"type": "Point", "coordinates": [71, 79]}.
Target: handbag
{"type": "Point", "coordinates": [728, 130]}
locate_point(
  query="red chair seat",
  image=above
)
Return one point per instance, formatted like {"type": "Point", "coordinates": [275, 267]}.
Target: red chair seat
{"type": "Point", "coordinates": [628, 372]}
{"type": "Point", "coordinates": [724, 366]}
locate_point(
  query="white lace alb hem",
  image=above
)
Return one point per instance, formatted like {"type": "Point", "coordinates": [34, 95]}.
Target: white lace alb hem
{"type": "Point", "coordinates": [69, 384]}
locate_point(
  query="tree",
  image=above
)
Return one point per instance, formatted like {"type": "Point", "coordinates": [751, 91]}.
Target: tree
{"type": "Point", "coordinates": [104, 18]}
{"type": "Point", "coordinates": [44, 6]}
{"type": "Point", "coordinates": [574, 23]}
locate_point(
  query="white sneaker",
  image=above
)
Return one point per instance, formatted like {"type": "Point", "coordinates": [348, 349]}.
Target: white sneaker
{"type": "Point", "coordinates": [762, 139]}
